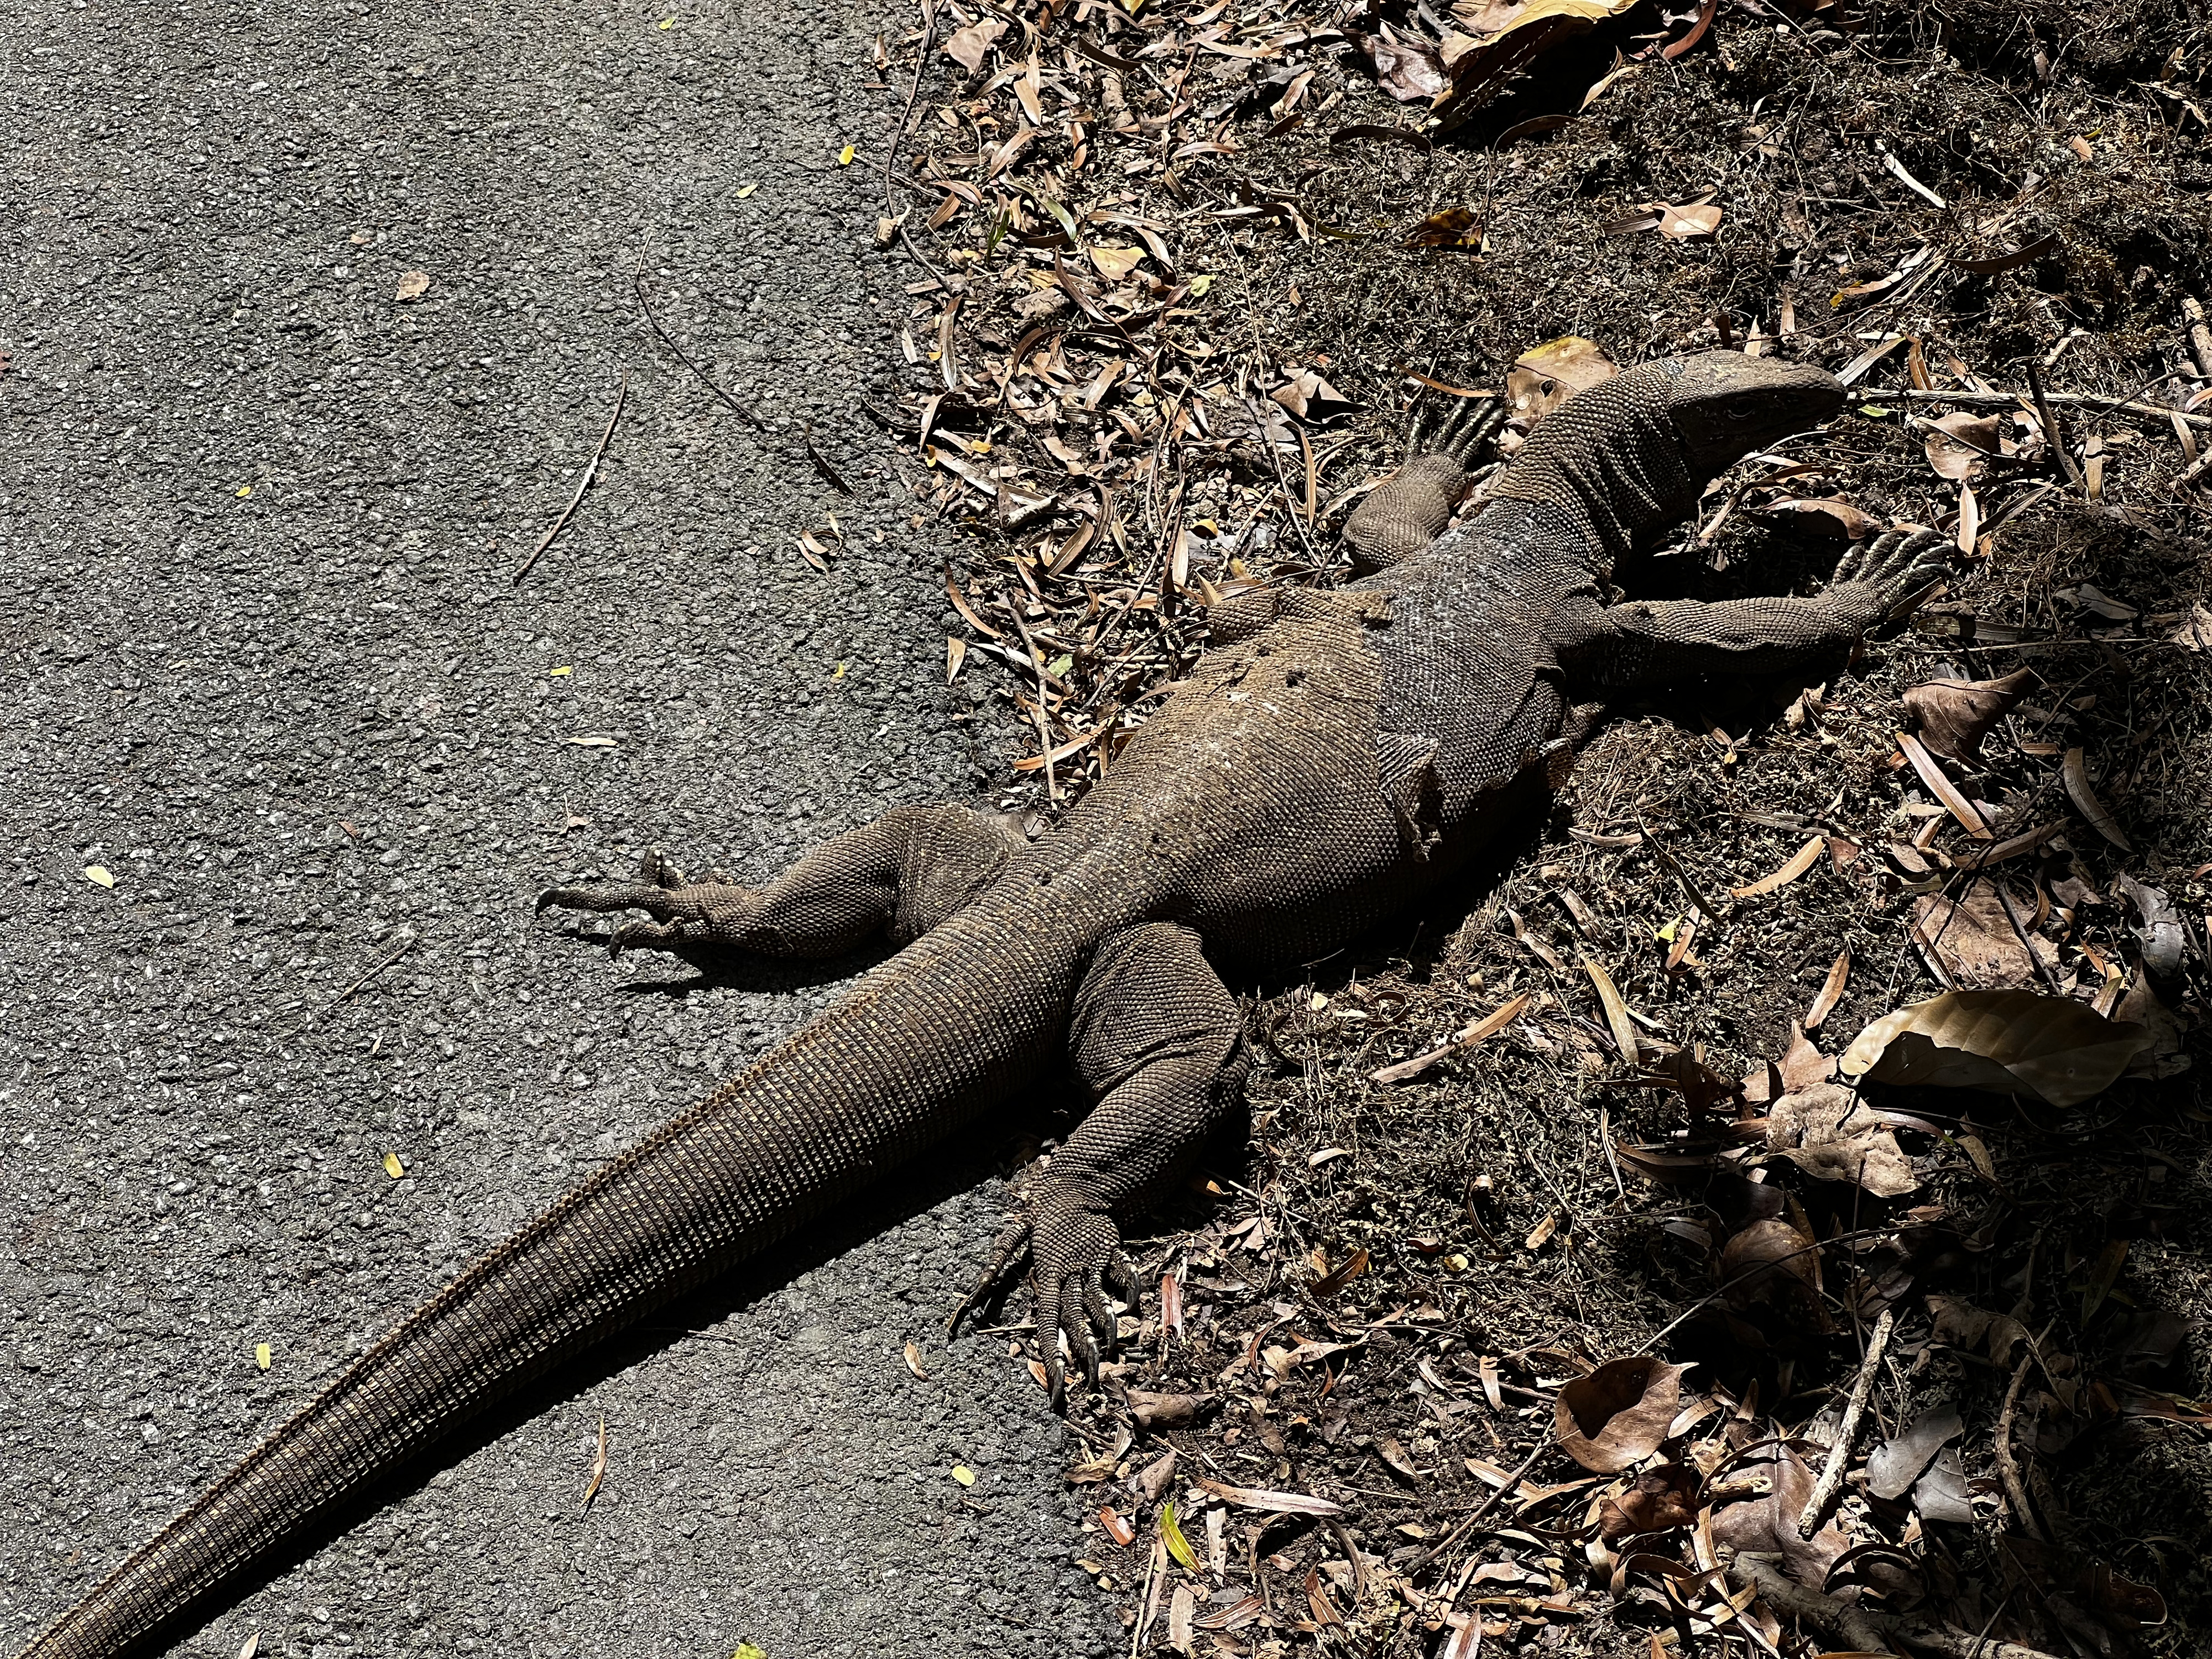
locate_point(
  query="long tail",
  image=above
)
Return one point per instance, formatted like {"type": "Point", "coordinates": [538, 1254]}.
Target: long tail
{"type": "Point", "coordinates": [950, 1024]}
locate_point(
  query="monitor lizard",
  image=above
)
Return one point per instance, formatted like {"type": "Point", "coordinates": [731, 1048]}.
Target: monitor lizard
{"type": "Point", "coordinates": [1331, 758]}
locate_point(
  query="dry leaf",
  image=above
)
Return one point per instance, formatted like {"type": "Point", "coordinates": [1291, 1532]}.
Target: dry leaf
{"type": "Point", "coordinates": [1827, 514]}
{"type": "Point", "coordinates": [1618, 1413]}
{"type": "Point", "coordinates": [1409, 70]}
{"type": "Point", "coordinates": [1115, 263]}
{"type": "Point", "coordinates": [1803, 859]}
{"type": "Point", "coordinates": [2076, 772]}
{"type": "Point", "coordinates": [1957, 445]}
{"type": "Point", "coordinates": [1768, 1524]}
{"type": "Point", "coordinates": [1274, 1502]}
{"type": "Point", "coordinates": [1825, 1132]}
{"type": "Point", "coordinates": [1680, 224]}
{"type": "Point", "coordinates": [1832, 990]}
{"type": "Point", "coordinates": [598, 1465]}
{"type": "Point", "coordinates": [1931, 772]}
{"type": "Point", "coordinates": [1975, 940]}
{"type": "Point", "coordinates": [1455, 228]}
{"type": "Point", "coordinates": [966, 47]}
{"type": "Point", "coordinates": [1117, 1528]}
{"type": "Point", "coordinates": [1545, 376]}
{"type": "Point", "coordinates": [1659, 1500]}
{"type": "Point", "coordinates": [2052, 1047]}
{"type": "Point", "coordinates": [1801, 1066]}
{"type": "Point", "coordinates": [914, 1362]}
{"type": "Point", "coordinates": [1955, 715]}
{"type": "Point", "coordinates": [1892, 1469]}
{"type": "Point", "coordinates": [1155, 1412]}
{"type": "Point", "coordinates": [1329, 1284]}
{"type": "Point", "coordinates": [2166, 1055]}
{"type": "Point", "coordinates": [413, 285]}
{"type": "Point", "coordinates": [1770, 1263]}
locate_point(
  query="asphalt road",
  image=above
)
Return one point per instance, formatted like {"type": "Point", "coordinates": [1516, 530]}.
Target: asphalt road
{"type": "Point", "coordinates": [264, 668]}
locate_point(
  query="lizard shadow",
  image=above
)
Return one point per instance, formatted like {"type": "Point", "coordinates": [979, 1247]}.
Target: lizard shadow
{"type": "Point", "coordinates": [965, 1164]}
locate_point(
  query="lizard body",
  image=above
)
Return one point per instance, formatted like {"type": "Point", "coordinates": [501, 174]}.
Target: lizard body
{"type": "Point", "coordinates": [1334, 755]}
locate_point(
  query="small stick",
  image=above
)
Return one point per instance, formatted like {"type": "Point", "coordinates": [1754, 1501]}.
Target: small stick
{"type": "Point", "coordinates": [1867, 1631]}
{"type": "Point", "coordinates": [891, 210]}
{"type": "Point", "coordinates": [2058, 399]}
{"type": "Point", "coordinates": [2200, 337]}
{"type": "Point", "coordinates": [1840, 1454]}
{"type": "Point", "coordinates": [2052, 430]}
{"type": "Point", "coordinates": [590, 472]}
{"type": "Point", "coordinates": [405, 945]}
{"type": "Point", "coordinates": [1483, 1510]}
{"type": "Point", "coordinates": [2008, 1469]}
{"type": "Point", "coordinates": [637, 287]}
{"type": "Point", "coordinates": [1043, 724]}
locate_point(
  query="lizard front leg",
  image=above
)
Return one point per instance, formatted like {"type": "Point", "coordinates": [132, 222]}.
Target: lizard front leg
{"type": "Point", "coordinates": [1156, 1039]}
{"type": "Point", "coordinates": [1407, 511]}
{"type": "Point", "coordinates": [1642, 644]}
{"type": "Point", "coordinates": [900, 875]}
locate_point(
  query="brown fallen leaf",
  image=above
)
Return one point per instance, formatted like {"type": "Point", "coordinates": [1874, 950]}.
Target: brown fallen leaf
{"type": "Point", "coordinates": [1825, 1132]}
{"type": "Point", "coordinates": [1939, 786]}
{"type": "Point", "coordinates": [1772, 1264]}
{"type": "Point", "coordinates": [1616, 1012]}
{"type": "Point", "coordinates": [1827, 514]}
{"type": "Point", "coordinates": [1454, 227]}
{"type": "Point", "coordinates": [1274, 1502]}
{"type": "Point", "coordinates": [1801, 1066]}
{"type": "Point", "coordinates": [1957, 1323]}
{"type": "Point", "coordinates": [1799, 862]}
{"type": "Point", "coordinates": [966, 47]}
{"type": "Point", "coordinates": [1893, 1466]}
{"type": "Point", "coordinates": [598, 1465]}
{"type": "Point", "coordinates": [1410, 70]}
{"type": "Point", "coordinates": [1618, 1414]}
{"type": "Point", "coordinates": [1975, 940]}
{"type": "Point", "coordinates": [2006, 1041]}
{"type": "Point", "coordinates": [1153, 1480]}
{"type": "Point", "coordinates": [1958, 446]}
{"type": "Point", "coordinates": [1117, 1526]}
{"type": "Point", "coordinates": [1544, 377]}
{"type": "Point", "coordinates": [1832, 990]}
{"type": "Point", "coordinates": [2166, 1053]}
{"type": "Point", "coordinates": [1115, 264]}
{"type": "Point", "coordinates": [1155, 1412]}
{"type": "Point", "coordinates": [413, 285]}
{"type": "Point", "coordinates": [1693, 219]}
{"type": "Point", "coordinates": [1484, 1029]}
{"type": "Point", "coordinates": [1767, 1524]}
{"type": "Point", "coordinates": [1658, 1500]}
{"type": "Point", "coordinates": [2075, 769]}
{"type": "Point", "coordinates": [914, 1362]}
{"type": "Point", "coordinates": [1395, 1459]}
{"type": "Point", "coordinates": [1955, 715]}
{"type": "Point", "coordinates": [1334, 1280]}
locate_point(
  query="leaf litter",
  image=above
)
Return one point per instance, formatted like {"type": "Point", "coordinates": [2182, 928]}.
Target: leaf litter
{"type": "Point", "coordinates": [1189, 268]}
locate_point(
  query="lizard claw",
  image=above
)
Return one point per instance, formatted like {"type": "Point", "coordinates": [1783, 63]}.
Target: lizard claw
{"type": "Point", "coordinates": [1466, 425]}
{"type": "Point", "coordinates": [1896, 565]}
{"type": "Point", "coordinates": [1075, 1257]}
{"type": "Point", "coordinates": [716, 912]}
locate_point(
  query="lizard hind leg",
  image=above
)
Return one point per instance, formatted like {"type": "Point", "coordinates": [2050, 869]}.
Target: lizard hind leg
{"type": "Point", "coordinates": [900, 875]}
{"type": "Point", "coordinates": [1156, 1039]}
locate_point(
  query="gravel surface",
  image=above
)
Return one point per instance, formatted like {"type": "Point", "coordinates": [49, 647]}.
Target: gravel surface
{"type": "Point", "coordinates": [266, 671]}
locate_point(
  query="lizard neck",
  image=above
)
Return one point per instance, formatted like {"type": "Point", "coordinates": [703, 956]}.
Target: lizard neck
{"type": "Point", "coordinates": [1609, 462]}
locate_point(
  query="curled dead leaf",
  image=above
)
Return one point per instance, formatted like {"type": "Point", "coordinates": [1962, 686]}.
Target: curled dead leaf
{"type": "Point", "coordinates": [1975, 940]}
{"type": "Point", "coordinates": [1658, 1500]}
{"type": "Point", "coordinates": [1957, 445]}
{"type": "Point", "coordinates": [1164, 1411]}
{"type": "Point", "coordinates": [1828, 515]}
{"type": "Point", "coordinates": [966, 47]}
{"type": "Point", "coordinates": [2006, 1041]}
{"type": "Point", "coordinates": [1955, 715]}
{"type": "Point", "coordinates": [1772, 1264]}
{"type": "Point", "coordinates": [1455, 228]}
{"type": "Point", "coordinates": [1618, 1415]}
{"type": "Point", "coordinates": [1545, 376]}
{"type": "Point", "coordinates": [1825, 1132]}
{"type": "Point", "coordinates": [2075, 770]}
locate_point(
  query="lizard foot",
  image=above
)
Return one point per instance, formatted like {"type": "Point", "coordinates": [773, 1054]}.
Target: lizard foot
{"type": "Point", "coordinates": [1461, 430]}
{"type": "Point", "coordinates": [1075, 1251]}
{"type": "Point", "coordinates": [1896, 566]}
{"type": "Point", "coordinates": [683, 912]}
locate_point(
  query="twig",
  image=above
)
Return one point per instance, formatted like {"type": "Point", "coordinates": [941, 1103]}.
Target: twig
{"type": "Point", "coordinates": [590, 472]}
{"type": "Point", "coordinates": [637, 287]}
{"type": "Point", "coordinates": [1043, 722]}
{"type": "Point", "coordinates": [891, 209]}
{"type": "Point", "coordinates": [1748, 1274]}
{"type": "Point", "coordinates": [2008, 1469]}
{"type": "Point", "coordinates": [1840, 1454]}
{"type": "Point", "coordinates": [405, 945]}
{"type": "Point", "coordinates": [2053, 432]}
{"type": "Point", "coordinates": [1482, 1510]}
{"type": "Point", "coordinates": [2056, 399]}
{"type": "Point", "coordinates": [1865, 1630]}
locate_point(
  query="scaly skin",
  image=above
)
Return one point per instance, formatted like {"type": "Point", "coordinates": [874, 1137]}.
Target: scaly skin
{"type": "Point", "coordinates": [1334, 755]}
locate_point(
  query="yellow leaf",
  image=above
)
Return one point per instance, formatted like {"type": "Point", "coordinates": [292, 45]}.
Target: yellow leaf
{"type": "Point", "coordinates": [668, 22]}
{"type": "Point", "coordinates": [747, 1650]}
{"type": "Point", "coordinates": [244, 491]}
{"type": "Point", "coordinates": [564, 669]}
{"type": "Point", "coordinates": [963, 1474]}
{"type": "Point", "coordinates": [845, 156]}
{"type": "Point", "coordinates": [393, 1166]}
{"type": "Point", "coordinates": [262, 1355]}
{"type": "Point", "coordinates": [1200, 284]}
{"type": "Point", "coordinates": [98, 876]}
{"type": "Point", "coordinates": [840, 674]}
{"type": "Point", "coordinates": [744, 190]}
{"type": "Point", "coordinates": [1115, 263]}
{"type": "Point", "coordinates": [1171, 1533]}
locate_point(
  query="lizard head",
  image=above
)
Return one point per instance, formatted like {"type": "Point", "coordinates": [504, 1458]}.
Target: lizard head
{"type": "Point", "coordinates": [1725, 406]}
